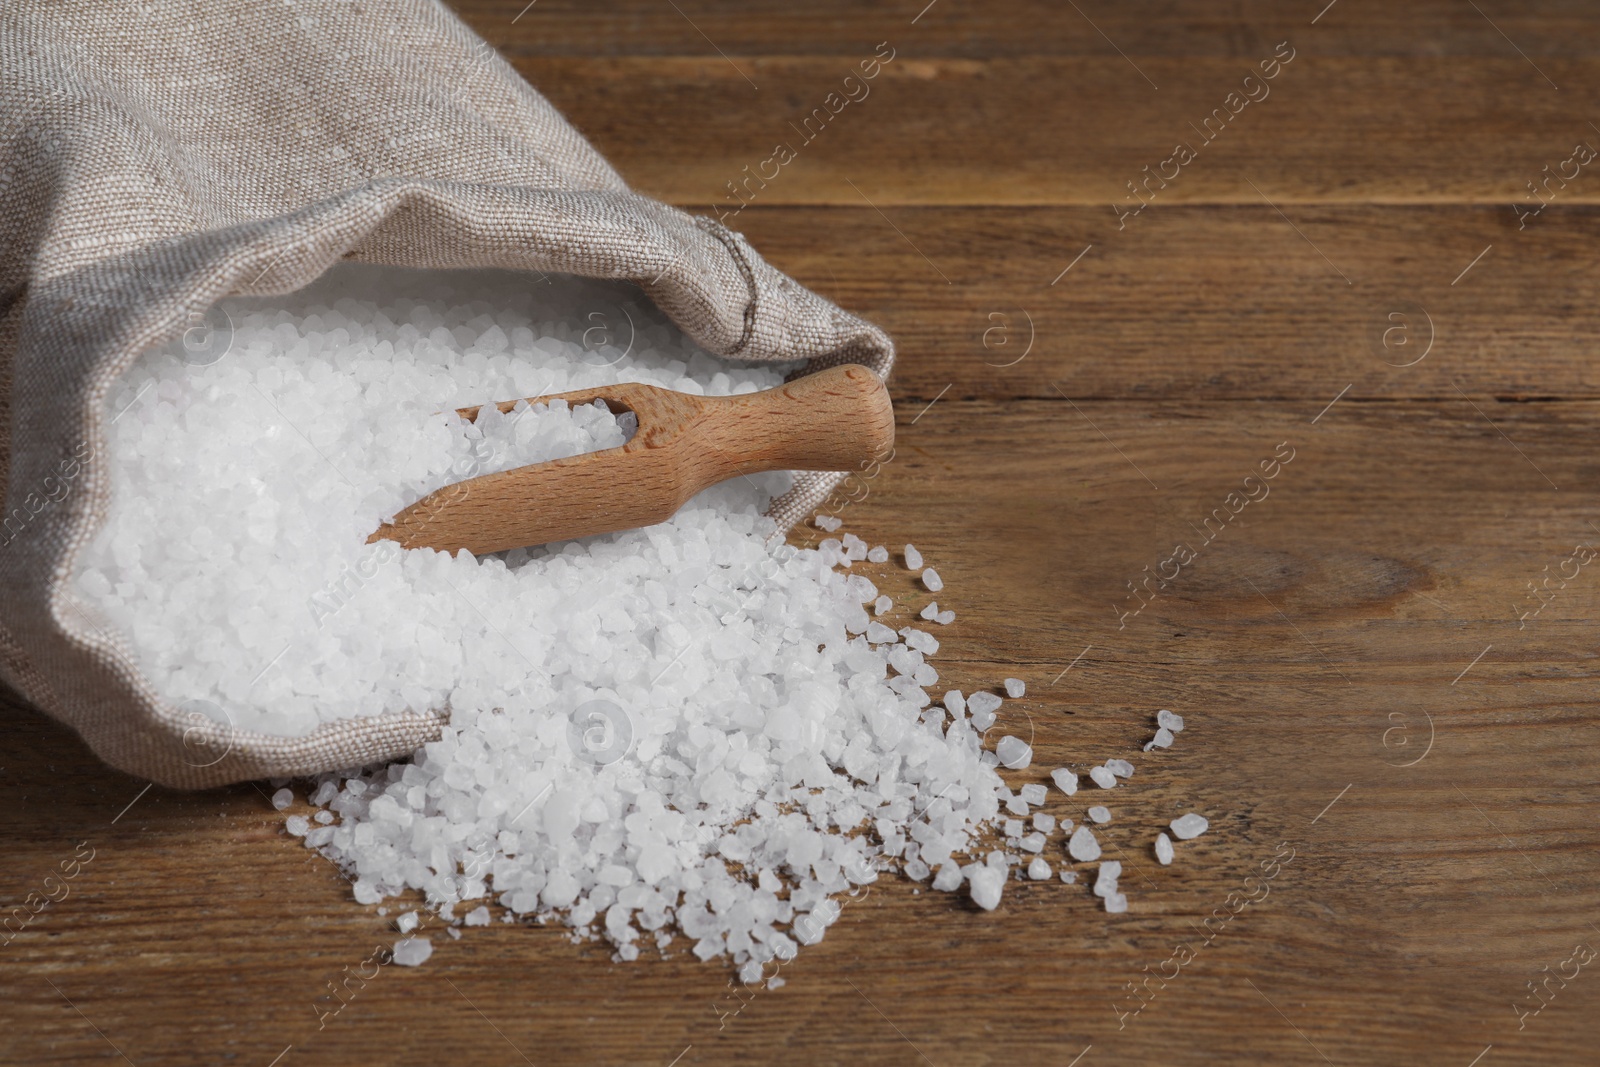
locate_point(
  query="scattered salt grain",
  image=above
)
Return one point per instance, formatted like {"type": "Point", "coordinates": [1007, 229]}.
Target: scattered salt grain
{"type": "Point", "coordinates": [1100, 813]}
{"type": "Point", "coordinates": [412, 951]}
{"type": "Point", "coordinates": [1044, 822]}
{"type": "Point", "coordinates": [1102, 777]}
{"type": "Point", "coordinates": [830, 523]}
{"type": "Point", "coordinates": [987, 884]}
{"type": "Point", "coordinates": [1015, 687]}
{"type": "Point", "coordinates": [298, 825]}
{"type": "Point", "coordinates": [1034, 793]}
{"type": "Point", "coordinates": [1038, 869]}
{"type": "Point", "coordinates": [949, 878]}
{"type": "Point", "coordinates": [1069, 877]}
{"type": "Point", "coordinates": [407, 922]}
{"type": "Point", "coordinates": [931, 611]}
{"type": "Point", "coordinates": [1163, 739]}
{"type": "Point", "coordinates": [913, 558]}
{"type": "Point", "coordinates": [1013, 827]}
{"type": "Point", "coordinates": [1083, 846]}
{"type": "Point", "coordinates": [1191, 825]}
{"type": "Point", "coordinates": [945, 618]}
{"type": "Point", "coordinates": [282, 799]}
{"type": "Point", "coordinates": [983, 706]}
{"type": "Point", "coordinates": [478, 916]}
{"type": "Point", "coordinates": [1105, 878]}
{"type": "Point", "coordinates": [1116, 903]}
{"type": "Point", "coordinates": [1014, 752]}
{"type": "Point", "coordinates": [1033, 843]}
{"type": "Point", "coordinates": [877, 554]}
{"type": "Point", "coordinates": [1170, 721]}
{"type": "Point", "coordinates": [1163, 849]}
{"type": "Point", "coordinates": [1120, 767]}
{"type": "Point", "coordinates": [931, 580]}
{"type": "Point", "coordinates": [881, 605]}
{"type": "Point", "coordinates": [1065, 780]}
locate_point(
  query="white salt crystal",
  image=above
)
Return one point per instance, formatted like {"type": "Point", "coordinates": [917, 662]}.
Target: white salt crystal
{"type": "Point", "coordinates": [881, 605]}
{"type": "Point", "coordinates": [1170, 721]}
{"type": "Point", "coordinates": [1116, 903]}
{"type": "Point", "coordinates": [1100, 813]}
{"type": "Point", "coordinates": [1038, 869]}
{"type": "Point", "coordinates": [955, 703]}
{"type": "Point", "coordinates": [830, 523]}
{"type": "Point", "coordinates": [931, 580]}
{"type": "Point", "coordinates": [1034, 793]}
{"type": "Point", "coordinates": [1065, 780]}
{"type": "Point", "coordinates": [1069, 877]}
{"type": "Point", "coordinates": [931, 611]}
{"type": "Point", "coordinates": [297, 825]}
{"type": "Point", "coordinates": [1163, 739]}
{"type": "Point", "coordinates": [913, 558]}
{"type": "Point", "coordinates": [407, 922]}
{"type": "Point", "coordinates": [1044, 822]}
{"type": "Point", "coordinates": [478, 916]}
{"type": "Point", "coordinates": [1105, 879]}
{"type": "Point", "coordinates": [1032, 843]}
{"type": "Point", "coordinates": [945, 618]}
{"type": "Point", "coordinates": [982, 706]}
{"type": "Point", "coordinates": [948, 879]}
{"type": "Point", "coordinates": [1017, 806]}
{"type": "Point", "coordinates": [1015, 687]}
{"type": "Point", "coordinates": [1191, 825]}
{"type": "Point", "coordinates": [412, 951]}
{"type": "Point", "coordinates": [282, 798]}
{"type": "Point", "coordinates": [1120, 767]}
{"type": "Point", "coordinates": [1163, 849]}
{"type": "Point", "coordinates": [986, 886]}
{"type": "Point", "coordinates": [1102, 777]}
{"type": "Point", "coordinates": [1014, 752]}
{"type": "Point", "coordinates": [1083, 846]}
{"type": "Point", "coordinates": [1013, 827]}
{"type": "Point", "coordinates": [878, 554]}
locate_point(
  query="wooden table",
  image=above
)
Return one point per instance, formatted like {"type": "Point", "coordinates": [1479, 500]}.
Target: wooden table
{"type": "Point", "coordinates": [1367, 686]}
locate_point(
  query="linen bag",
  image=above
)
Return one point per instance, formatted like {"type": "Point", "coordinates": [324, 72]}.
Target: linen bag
{"type": "Point", "coordinates": [155, 160]}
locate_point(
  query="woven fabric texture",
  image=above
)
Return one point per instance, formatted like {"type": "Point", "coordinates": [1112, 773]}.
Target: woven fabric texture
{"type": "Point", "coordinates": [155, 160]}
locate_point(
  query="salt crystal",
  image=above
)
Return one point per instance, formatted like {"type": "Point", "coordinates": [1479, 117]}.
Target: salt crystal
{"type": "Point", "coordinates": [1044, 822]}
{"type": "Point", "coordinates": [1038, 869]}
{"type": "Point", "coordinates": [1105, 879]}
{"type": "Point", "coordinates": [412, 951]}
{"type": "Point", "coordinates": [1015, 687]}
{"type": "Point", "coordinates": [1170, 721]}
{"type": "Point", "coordinates": [1191, 825]}
{"type": "Point", "coordinates": [986, 886]}
{"type": "Point", "coordinates": [1014, 752]}
{"type": "Point", "coordinates": [945, 618]}
{"type": "Point", "coordinates": [1032, 842]}
{"type": "Point", "coordinates": [1163, 739]}
{"type": "Point", "coordinates": [931, 580]}
{"type": "Point", "coordinates": [1013, 827]}
{"type": "Point", "coordinates": [831, 523]}
{"type": "Point", "coordinates": [931, 611]}
{"type": "Point", "coordinates": [282, 799]}
{"type": "Point", "coordinates": [407, 922]}
{"type": "Point", "coordinates": [983, 706]}
{"type": "Point", "coordinates": [1082, 846]}
{"type": "Point", "coordinates": [297, 825]}
{"type": "Point", "coordinates": [1120, 767]}
{"type": "Point", "coordinates": [1102, 777]}
{"type": "Point", "coordinates": [1100, 814]}
{"type": "Point", "coordinates": [1069, 877]}
{"type": "Point", "coordinates": [1065, 780]}
{"type": "Point", "coordinates": [1163, 849]}
{"type": "Point", "coordinates": [955, 703]}
{"type": "Point", "coordinates": [948, 879]}
{"type": "Point", "coordinates": [1116, 903]}
{"type": "Point", "coordinates": [881, 605]}
{"type": "Point", "coordinates": [913, 558]}
{"type": "Point", "coordinates": [1034, 793]}
{"type": "Point", "coordinates": [478, 916]}
{"type": "Point", "coordinates": [878, 554]}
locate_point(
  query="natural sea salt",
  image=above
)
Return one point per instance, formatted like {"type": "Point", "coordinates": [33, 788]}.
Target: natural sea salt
{"type": "Point", "coordinates": [1163, 849]}
{"type": "Point", "coordinates": [635, 719]}
{"type": "Point", "coordinates": [1188, 826]}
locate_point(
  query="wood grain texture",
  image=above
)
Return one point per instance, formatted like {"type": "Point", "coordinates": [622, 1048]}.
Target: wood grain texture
{"type": "Point", "coordinates": [1368, 679]}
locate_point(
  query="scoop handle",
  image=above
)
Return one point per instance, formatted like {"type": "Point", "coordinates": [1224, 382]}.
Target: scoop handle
{"type": "Point", "coordinates": [838, 419]}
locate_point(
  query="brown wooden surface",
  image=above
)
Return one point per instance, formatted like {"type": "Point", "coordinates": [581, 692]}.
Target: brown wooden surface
{"type": "Point", "coordinates": [1377, 588]}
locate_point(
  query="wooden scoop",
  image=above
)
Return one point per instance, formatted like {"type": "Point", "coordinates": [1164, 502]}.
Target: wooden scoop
{"type": "Point", "coordinates": [837, 419]}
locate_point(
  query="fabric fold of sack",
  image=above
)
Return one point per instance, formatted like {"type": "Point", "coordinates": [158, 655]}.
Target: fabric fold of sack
{"type": "Point", "coordinates": [150, 167]}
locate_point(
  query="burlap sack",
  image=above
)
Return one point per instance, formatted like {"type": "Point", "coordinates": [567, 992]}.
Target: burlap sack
{"type": "Point", "coordinates": [155, 160]}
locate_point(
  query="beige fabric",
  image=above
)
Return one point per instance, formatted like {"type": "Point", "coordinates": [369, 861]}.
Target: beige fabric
{"type": "Point", "coordinates": [157, 159]}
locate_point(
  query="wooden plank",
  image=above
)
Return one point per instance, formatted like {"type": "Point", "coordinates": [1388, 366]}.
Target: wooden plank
{"type": "Point", "coordinates": [1078, 129]}
{"type": "Point", "coordinates": [1541, 29]}
{"type": "Point", "coordinates": [1194, 302]}
{"type": "Point", "coordinates": [1395, 543]}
